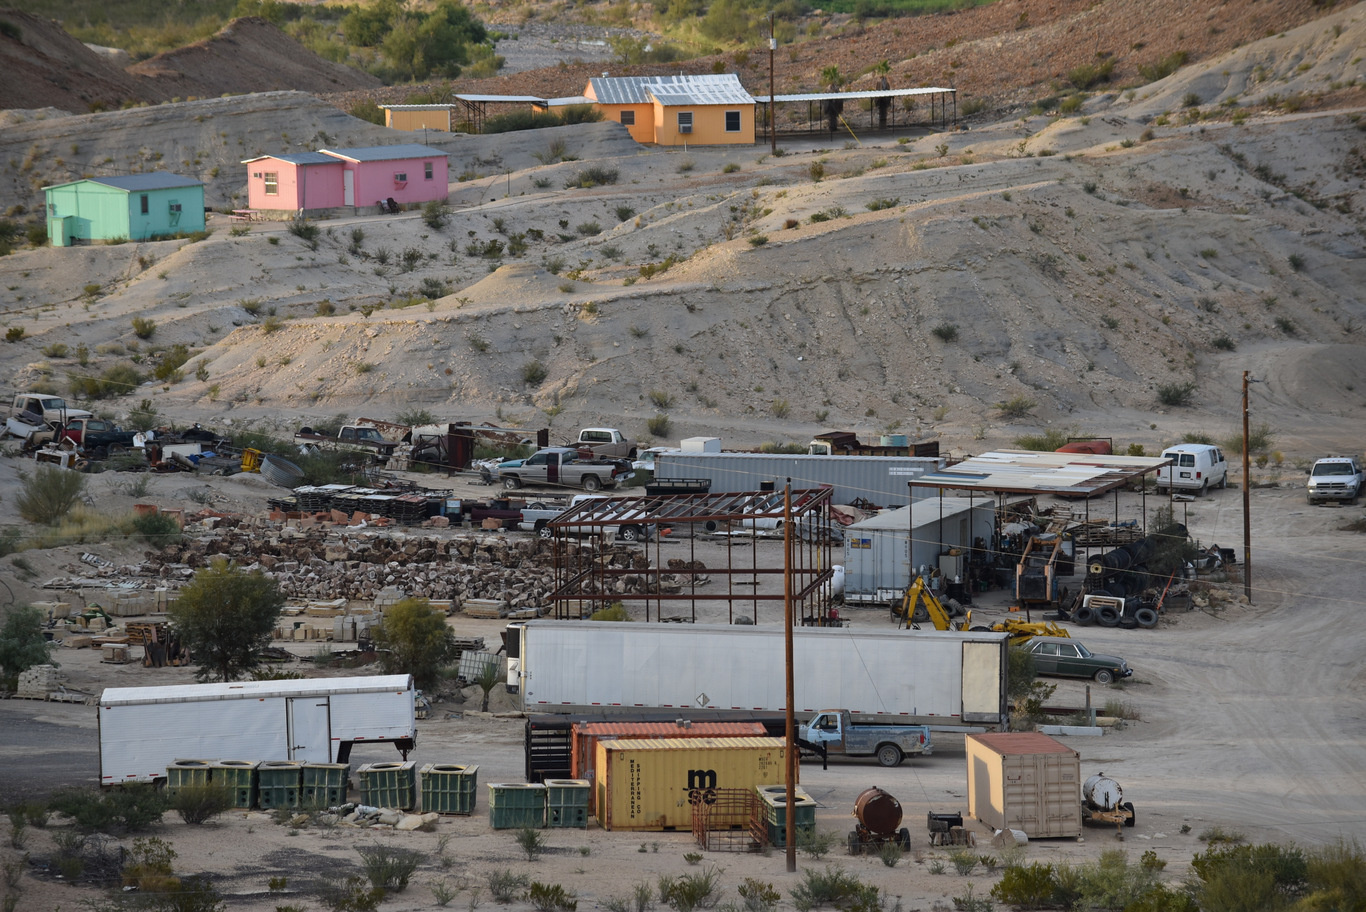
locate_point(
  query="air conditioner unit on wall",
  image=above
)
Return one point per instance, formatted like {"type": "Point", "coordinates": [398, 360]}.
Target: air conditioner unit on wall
{"type": "Point", "coordinates": [685, 128]}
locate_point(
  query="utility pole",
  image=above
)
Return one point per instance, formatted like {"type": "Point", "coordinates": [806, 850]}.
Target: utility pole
{"type": "Point", "coordinates": [1247, 501]}
{"type": "Point", "coordinates": [790, 753]}
{"type": "Point", "coordinates": [773, 125]}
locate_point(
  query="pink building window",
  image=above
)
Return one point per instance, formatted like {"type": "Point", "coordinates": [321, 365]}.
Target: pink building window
{"type": "Point", "coordinates": [272, 183]}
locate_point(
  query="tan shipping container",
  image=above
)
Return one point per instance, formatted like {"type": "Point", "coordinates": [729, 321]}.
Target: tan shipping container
{"type": "Point", "coordinates": [587, 735]}
{"type": "Point", "coordinates": [1024, 781]}
{"type": "Point", "coordinates": [651, 785]}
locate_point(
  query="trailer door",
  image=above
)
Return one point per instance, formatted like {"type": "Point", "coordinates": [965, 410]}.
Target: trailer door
{"type": "Point", "coordinates": [310, 729]}
{"type": "Point", "coordinates": [983, 697]}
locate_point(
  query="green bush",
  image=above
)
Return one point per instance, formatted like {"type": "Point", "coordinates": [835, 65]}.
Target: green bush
{"type": "Point", "coordinates": [1088, 74]}
{"type": "Point", "coordinates": [552, 898]}
{"type": "Point", "coordinates": [1164, 67]}
{"type": "Point", "coordinates": [531, 841]}
{"type": "Point", "coordinates": [198, 804]}
{"type": "Point", "coordinates": [1045, 442]}
{"type": "Point", "coordinates": [14, 334]}
{"type": "Point", "coordinates": [1016, 406]}
{"type": "Point", "coordinates": [689, 892]}
{"type": "Point", "coordinates": [658, 425]}
{"type": "Point", "coordinates": [144, 327]}
{"type": "Point", "coordinates": [415, 640]}
{"type": "Point", "coordinates": [389, 868]}
{"type": "Point", "coordinates": [592, 177]}
{"type": "Point", "coordinates": [435, 213]}
{"type": "Point", "coordinates": [350, 895]}
{"type": "Point", "coordinates": [127, 808]}
{"type": "Point", "coordinates": [835, 887]}
{"type": "Point", "coordinates": [507, 886]}
{"type": "Point", "coordinates": [534, 373]}
{"type": "Point", "coordinates": [22, 645]}
{"type": "Point", "coordinates": [49, 494]}
{"type": "Point", "coordinates": [1176, 394]}
{"type": "Point", "coordinates": [1026, 887]}
{"type": "Point", "coordinates": [946, 332]}
{"type": "Point", "coordinates": [157, 529]}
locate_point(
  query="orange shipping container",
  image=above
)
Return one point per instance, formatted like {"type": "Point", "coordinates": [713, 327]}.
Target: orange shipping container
{"type": "Point", "coordinates": [1024, 781]}
{"type": "Point", "coordinates": [588, 734]}
{"type": "Point", "coordinates": [652, 785]}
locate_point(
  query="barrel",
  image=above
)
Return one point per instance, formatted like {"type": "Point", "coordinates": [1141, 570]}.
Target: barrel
{"type": "Point", "coordinates": [878, 811]}
{"type": "Point", "coordinates": [1102, 793]}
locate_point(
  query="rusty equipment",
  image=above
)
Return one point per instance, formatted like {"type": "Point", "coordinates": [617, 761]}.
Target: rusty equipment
{"type": "Point", "coordinates": [879, 816]}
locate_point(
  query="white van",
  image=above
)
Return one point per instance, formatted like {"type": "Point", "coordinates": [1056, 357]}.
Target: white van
{"type": "Point", "coordinates": [1195, 467]}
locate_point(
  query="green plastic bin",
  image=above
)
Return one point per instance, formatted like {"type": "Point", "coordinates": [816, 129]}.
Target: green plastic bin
{"type": "Point", "coordinates": [566, 803]}
{"type": "Point", "coordinates": [187, 772]}
{"type": "Point", "coordinates": [774, 801]}
{"type": "Point", "coordinates": [513, 805]}
{"type": "Point", "coordinates": [279, 783]}
{"type": "Point", "coordinates": [449, 788]}
{"type": "Point", "coordinates": [389, 785]}
{"type": "Point", "coordinates": [238, 777]}
{"type": "Point", "coordinates": [324, 785]}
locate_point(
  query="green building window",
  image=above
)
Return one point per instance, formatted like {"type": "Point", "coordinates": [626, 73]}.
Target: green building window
{"type": "Point", "coordinates": [145, 207]}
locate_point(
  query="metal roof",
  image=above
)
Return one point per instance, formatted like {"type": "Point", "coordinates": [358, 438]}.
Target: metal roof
{"type": "Point", "coordinates": [1018, 472]}
{"type": "Point", "coordinates": [416, 107]}
{"type": "Point", "coordinates": [874, 93]}
{"type": "Point", "coordinates": [233, 690]}
{"type": "Point", "coordinates": [567, 100]}
{"type": "Point", "coordinates": [136, 183]}
{"type": "Point", "coordinates": [921, 513]}
{"type": "Point", "coordinates": [494, 99]}
{"type": "Point", "coordinates": [687, 508]}
{"type": "Point", "coordinates": [385, 153]}
{"type": "Point", "coordinates": [299, 158]}
{"type": "Point", "coordinates": [719, 88]}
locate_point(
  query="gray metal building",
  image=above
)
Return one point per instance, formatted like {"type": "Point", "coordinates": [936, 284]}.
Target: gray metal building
{"type": "Point", "coordinates": [879, 479]}
{"type": "Point", "coordinates": [883, 553]}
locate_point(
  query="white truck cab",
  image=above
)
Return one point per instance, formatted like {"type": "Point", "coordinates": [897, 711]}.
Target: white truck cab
{"type": "Point", "coordinates": [1335, 478]}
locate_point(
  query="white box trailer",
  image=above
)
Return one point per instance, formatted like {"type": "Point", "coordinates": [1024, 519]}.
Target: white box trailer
{"type": "Point", "coordinates": [947, 680]}
{"type": "Point", "coordinates": [880, 479]}
{"type": "Point", "coordinates": [884, 553]}
{"type": "Point", "coordinates": [143, 729]}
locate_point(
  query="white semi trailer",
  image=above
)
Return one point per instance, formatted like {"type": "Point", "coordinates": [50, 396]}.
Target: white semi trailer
{"type": "Point", "coordinates": [144, 729]}
{"type": "Point", "coordinates": [946, 680]}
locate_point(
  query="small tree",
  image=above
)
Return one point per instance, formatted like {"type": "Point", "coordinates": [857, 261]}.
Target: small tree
{"type": "Point", "coordinates": [416, 640]}
{"type": "Point", "coordinates": [21, 643]}
{"type": "Point", "coordinates": [226, 616]}
{"type": "Point", "coordinates": [50, 493]}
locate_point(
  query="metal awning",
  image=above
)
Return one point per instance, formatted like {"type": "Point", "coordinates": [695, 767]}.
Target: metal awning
{"type": "Point", "coordinates": [847, 96]}
{"type": "Point", "coordinates": [1022, 472]}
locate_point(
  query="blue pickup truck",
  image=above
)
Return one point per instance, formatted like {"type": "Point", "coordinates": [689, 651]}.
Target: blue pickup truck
{"type": "Point", "coordinates": [832, 731]}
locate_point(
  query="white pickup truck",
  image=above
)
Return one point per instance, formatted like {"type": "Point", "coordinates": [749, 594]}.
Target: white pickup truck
{"type": "Point", "coordinates": [564, 467]}
{"type": "Point", "coordinates": [537, 518]}
{"type": "Point", "coordinates": [832, 731]}
{"type": "Point", "coordinates": [606, 442]}
{"type": "Point", "coordinates": [1335, 478]}
{"type": "Point", "coordinates": [52, 409]}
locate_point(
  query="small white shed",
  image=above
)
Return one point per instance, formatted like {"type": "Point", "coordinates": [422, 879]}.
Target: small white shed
{"type": "Point", "coordinates": [883, 553]}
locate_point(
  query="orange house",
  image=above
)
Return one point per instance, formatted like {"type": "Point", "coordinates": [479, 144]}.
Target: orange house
{"type": "Point", "coordinates": [709, 110]}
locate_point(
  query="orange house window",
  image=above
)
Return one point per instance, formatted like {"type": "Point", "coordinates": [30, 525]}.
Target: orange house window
{"type": "Point", "coordinates": [685, 122]}
{"type": "Point", "coordinates": [628, 118]}
{"type": "Point", "coordinates": [732, 121]}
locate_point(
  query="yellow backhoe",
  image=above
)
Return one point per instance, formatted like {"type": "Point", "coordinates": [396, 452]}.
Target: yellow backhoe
{"type": "Point", "coordinates": [920, 604]}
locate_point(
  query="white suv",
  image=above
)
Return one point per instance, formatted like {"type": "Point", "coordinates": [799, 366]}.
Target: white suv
{"type": "Point", "coordinates": [1335, 478]}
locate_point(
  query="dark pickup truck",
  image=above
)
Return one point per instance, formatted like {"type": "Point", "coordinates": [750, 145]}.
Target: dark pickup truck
{"type": "Point", "coordinates": [95, 436]}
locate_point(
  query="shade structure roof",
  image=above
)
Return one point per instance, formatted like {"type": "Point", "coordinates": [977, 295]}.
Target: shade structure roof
{"type": "Point", "coordinates": [297, 158]}
{"type": "Point", "coordinates": [1020, 472]}
{"type": "Point", "coordinates": [385, 153]}
{"type": "Point", "coordinates": [851, 96]}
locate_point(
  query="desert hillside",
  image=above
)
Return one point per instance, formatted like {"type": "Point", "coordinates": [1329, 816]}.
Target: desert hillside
{"type": "Point", "coordinates": [1078, 267]}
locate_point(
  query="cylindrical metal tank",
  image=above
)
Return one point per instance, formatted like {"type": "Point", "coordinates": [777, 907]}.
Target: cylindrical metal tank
{"type": "Point", "coordinates": [1102, 793]}
{"type": "Point", "coordinates": [878, 811]}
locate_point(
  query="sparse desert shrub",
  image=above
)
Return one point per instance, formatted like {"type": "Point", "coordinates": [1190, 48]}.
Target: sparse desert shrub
{"type": "Point", "coordinates": [1017, 406]}
{"type": "Point", "coordinates": [506, 886]}
{"type": "Point", "coordinates": [595, 176]}
{"type": "Point", "coordinates": [1176, 394]}
{"type": "Point", "coordinates": [551, 898]}
{"type": "Point", "coordinates": [1046, 442]}
{"type": "Point", "coordinates": [658, 425]}
{"type": "Point", "coordinates": [691, 891]}
{"type": "Point", "coordinates": [198, 804]}
{"type": "Point", "coordinates": [661, 399]}
{"type": "Point", "coordinates": [534, 373]}
{"type": "Point", "coordinates": [946, 332]}
{"type": "Point", "coordinates": [159, 530]}
{"type": "Point", "coordinates": [144, 327]}
{"type": "Point", "coordinates": [49, 494]}
{"type": "Point", "coordinates": [389, 868]}
{"type": "Point", "coordinates": [435, 213]}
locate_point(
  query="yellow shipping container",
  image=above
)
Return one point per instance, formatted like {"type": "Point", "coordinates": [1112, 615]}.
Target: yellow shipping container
{"type": "Point", "coordinates": [1024, 781]}
{"type": "Point", "coordinates": [652, 785]}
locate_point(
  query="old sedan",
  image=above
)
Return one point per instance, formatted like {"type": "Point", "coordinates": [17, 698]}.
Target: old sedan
{"type": "Point", "coordinates": [1067, 658]}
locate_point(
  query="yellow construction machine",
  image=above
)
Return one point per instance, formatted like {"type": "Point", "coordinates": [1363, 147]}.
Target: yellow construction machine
{"type": "Point", "coordinates": [920, 604]}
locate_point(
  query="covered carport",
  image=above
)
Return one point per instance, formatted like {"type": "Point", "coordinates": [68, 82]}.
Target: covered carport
{"type": "Point", "coordinates": [942, 113]}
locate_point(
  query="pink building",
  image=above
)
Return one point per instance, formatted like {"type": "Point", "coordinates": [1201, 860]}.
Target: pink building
{"type": "Point", "coordinates": [285, 186]}
{"type": "Point", "coordinates": [334, 182]}
{"type": "Point", "coordinates": [407, 173]}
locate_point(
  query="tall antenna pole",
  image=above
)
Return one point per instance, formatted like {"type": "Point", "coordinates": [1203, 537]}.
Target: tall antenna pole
{"type": "Point", "coordinates": [1247, 502]}
{"type": "Point", "coordinates": [772, 116]}
{"type": "Point", "coordinates": [790, 753]}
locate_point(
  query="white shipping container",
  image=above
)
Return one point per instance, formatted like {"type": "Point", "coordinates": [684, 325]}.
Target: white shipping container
{"type": "Point", "coordinates": [143, 729]}
{"type": "Point", "coordinates": [942, 679]}
{"type": "Point", "coordinates": [880, 479]}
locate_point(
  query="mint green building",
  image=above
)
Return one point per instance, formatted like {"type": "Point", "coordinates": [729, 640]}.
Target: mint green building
{"type": "Point", "coordinates": [135, 207]}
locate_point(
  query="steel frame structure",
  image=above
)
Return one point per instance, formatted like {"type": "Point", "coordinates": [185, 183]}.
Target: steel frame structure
{"type": "Point", "coordinates": [584, 581]}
